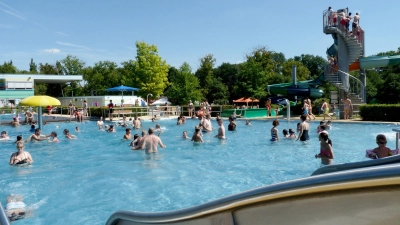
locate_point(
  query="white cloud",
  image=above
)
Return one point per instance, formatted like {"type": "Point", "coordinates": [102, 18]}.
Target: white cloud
{"type": "Point", "coordinates": [72, 45]}
{"type": "Point", "coordinates": [14, 14]}
{"type": "Point", "coordinates": [62, 34]}
{"type": "Point", "coordinates": [52, 50]}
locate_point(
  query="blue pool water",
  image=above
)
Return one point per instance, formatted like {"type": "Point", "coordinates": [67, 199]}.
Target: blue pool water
{"type": "Point", "coordinates": [84, 181]}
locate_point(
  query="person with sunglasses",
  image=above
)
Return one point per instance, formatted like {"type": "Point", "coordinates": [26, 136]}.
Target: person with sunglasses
{"type": "Point", "coordinates": [381, 151]}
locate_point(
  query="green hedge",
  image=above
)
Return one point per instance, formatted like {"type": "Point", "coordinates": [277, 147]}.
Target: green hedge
{"type": "Point", "coordinates": [380, 112]}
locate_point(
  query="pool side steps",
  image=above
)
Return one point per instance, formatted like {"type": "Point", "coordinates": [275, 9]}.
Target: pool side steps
{"type": "Point", "coordinates": [3, 217]}
{"type": "Point", "coordinates": [365, 194]}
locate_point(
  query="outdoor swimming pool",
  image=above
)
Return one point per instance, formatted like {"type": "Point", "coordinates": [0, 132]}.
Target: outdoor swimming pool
{"type": "Point", "coordinates": [84, 181]}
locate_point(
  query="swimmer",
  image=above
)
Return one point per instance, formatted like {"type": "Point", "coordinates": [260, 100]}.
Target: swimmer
{"type": "Point", "coordinates": [134, 143]}
{"type": "Point", "coordinates": [106, 127]}
{"type": "Point", "coordinates": [274, 130]}
{"type": "Point", "coordinates": [68, 135]}
{"type": "Point", "coordinates": [205, 124]}
{"type": "Point", "coordinates": [179, 122]}
{"type": "Point", "coordinates": [197, 135]}
{"type": "Point", "coordinates": [32, 130]}
{"type": "Point", "coordinates": [185, 135]}
{"type": "Point", "coordinates": [136, 123]}
{"type": "Point", "coordinates": [111, 129]}
{"type": "Point", "coordinates": [232, 124]}
{"type": "Point", "coordinates": [127, 134]}
{"type": "Point", "coordinates": [19, 139]}
{"type": "Point", "coordinates": [328, 125]}
{"type": "Point", "coordinates": [77, 129]}
{"type": "Point", "coordinates": [4, 136]}
{"type": "Point", "coordinates": [137, 143]}
{"type": "Point", "coordinates": [221, 130]}
{"type": "Point", "coordinates": [15, 208]}
{"type": "Point", "coordinates": [381, 151]}
{"type": "Point", "coordinates": [303, 128]}
{"type": "Point", "coordinates": [321, 123]}
{"type": "Point", "coordinates": [292, 134]}
{"type": "Point", "coordinates": [100, 123]}
{"type": "Point", "coordinates": [158, 129]}
{"type": "Point", "coordinates": [285, 133]}
{"type": "Point", "coordinates": [248, 122]}
{"type": "Point", "coordinates": [323, 129]}
{"type": "Point", "coordinates": [151, 141]}
{"type": "Point", "coordinates": [53, 135]}
{"type": "Point", "coordinates": [21, 156]}
{"type": "Point", "coordinates": [37, 136]}
{"type": "Point", "coordinates": [326, 152]}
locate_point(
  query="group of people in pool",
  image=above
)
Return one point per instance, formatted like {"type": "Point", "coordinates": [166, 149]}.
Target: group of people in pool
{"type": "Point", "coordinates": [326, 153]}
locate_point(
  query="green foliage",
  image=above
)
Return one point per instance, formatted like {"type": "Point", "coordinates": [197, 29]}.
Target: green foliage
{"type": "Point", "coordinates": [8, 67]}
{"type": "Point", "coordinates": [380, 112]}
{"type": "Point", "coordinates": [229, 76]}
{"type": "Point", "coordinates": [315, 64]}
{"type": "Point", "coordinates": [185, 86]}
{"type": "Point", "coordinates": [205, 73]}
{"type": "Point", "coordinates": [254, 73]}
{"type": "Point", "coordinates": [33, 67]}
{"type": "Point", "coordinates": [151, 70]}
{"type": "Point", "coordinates": [302, 72]}
{"type": "Point", "coordinates": [389, 92]}
{"type": "Point", "coordinates": [101, 76]}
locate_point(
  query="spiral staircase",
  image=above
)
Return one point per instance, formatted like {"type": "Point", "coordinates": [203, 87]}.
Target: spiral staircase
{"type": "Point", "coordinates": [350, 51]}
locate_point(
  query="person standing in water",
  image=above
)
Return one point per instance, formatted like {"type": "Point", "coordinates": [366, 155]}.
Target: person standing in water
{"type": "Point", "coordinates": [304, 127]}
{"type": "Point", "coordinates": [21, 156]}
{"type": "Point", "coordinates": [326, 152]}
{"type": "Point", "coordinates": [151, 142]}
{"type": "Point", "coordinates": [274, 130]}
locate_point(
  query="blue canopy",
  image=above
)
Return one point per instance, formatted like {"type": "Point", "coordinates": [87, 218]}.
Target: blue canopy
{"type": "Point", "coordinates": [123, 88]}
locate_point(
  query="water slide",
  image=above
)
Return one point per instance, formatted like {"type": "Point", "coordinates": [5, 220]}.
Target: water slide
{"type": "Point", "coordinates": [302, 88]}
{"type": "Point", "coordinates": [368, 62]}
{"type": "Point", "coordinates": [356, 196]}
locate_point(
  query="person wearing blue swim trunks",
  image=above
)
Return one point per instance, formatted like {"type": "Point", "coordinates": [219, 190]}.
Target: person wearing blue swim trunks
{"type": "Point", "coordinates": [304, 128]}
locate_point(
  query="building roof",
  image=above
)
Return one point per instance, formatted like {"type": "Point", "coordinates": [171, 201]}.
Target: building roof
{"type": "Point", "coordinates": [44, 78]}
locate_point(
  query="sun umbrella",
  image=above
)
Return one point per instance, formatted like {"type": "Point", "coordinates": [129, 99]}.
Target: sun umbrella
{"type": "Point", "coordinates": [123, 88]}
{"type": "Point", "coordinates": [39, 101]}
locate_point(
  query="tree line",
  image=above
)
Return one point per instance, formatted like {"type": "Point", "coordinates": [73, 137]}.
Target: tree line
{"type": "Point", "coordinates": [216, 84]}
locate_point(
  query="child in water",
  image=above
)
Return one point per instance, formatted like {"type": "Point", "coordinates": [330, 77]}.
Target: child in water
{"type": "Point", "coordinates": [292, 134]}
{"type": "Point", "coordinates": [285, 133]}
{"type": "Point", "coordinates": [328, 125]}
{"type": "Point", "coordinates": [54, 136]}
{"type": "Point", "coordinates": [248, 122]}
{"type": "Point", "coordinates": [185, 135]}
{"type": "Point", "coordinates": [274, 130]}
{"type": "Point", "coordinates": [381, 151]}
{"type": "Point", "coordinates": [326, 152]}
{"type": "Point", "coordinates": [319, 127]}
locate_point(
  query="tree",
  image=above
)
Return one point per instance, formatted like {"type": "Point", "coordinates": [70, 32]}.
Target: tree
{"type": "Point", "coordinates": [315, 64]}
{"type": "Point", "coordinates": [33, 67]}
{"type": "Point", "coordinates": [51, 89]}
{"type": "Point", "coordinates": [150, 70]}
{"type": "Point", "coordinates": [302, 73]}
{"type": "Point", "coordinates": [389, 91]}
{"type": "Point", "coordinates": [8, 67]}
{"type": "Point", "coordinates": [71, 65]}
{"type": "Point", "coordinates": [185, 86]}
{"type": "Point", "coordinates": [254, 73]}
{"type": "Point", "coordinates": [228, 74]}
{"type": "Point", "coordinates": [102, 75]}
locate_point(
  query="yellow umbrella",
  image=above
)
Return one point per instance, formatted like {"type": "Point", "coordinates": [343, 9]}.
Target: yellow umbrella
{"type": "Point", "coordinates": [39, 100]}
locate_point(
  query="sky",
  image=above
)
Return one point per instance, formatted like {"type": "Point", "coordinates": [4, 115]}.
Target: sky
{"type": "Point", "coordinates": [183, 30]}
